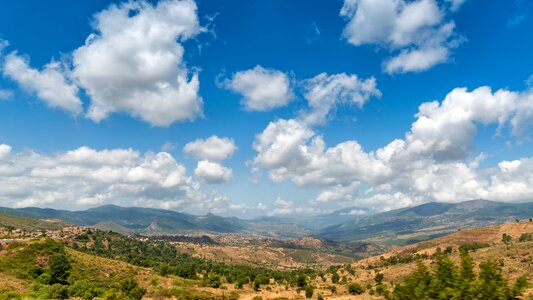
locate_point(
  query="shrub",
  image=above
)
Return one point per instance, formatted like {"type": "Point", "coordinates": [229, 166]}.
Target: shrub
{"type": "Point", "coordinates": [335, 277]}
{"type": "Point", "coordinates": [355, 289]}
{"type": "Point", "coordinates": [84, 289]}
{"type": "Point", "coordinates": [309, 291]}
{"type": "Point", "coordinates": [526, 237]}
{"type": "Point", "coordinates": [59, 268]}
{"type": "Point", "coordinates": [212, 280]}
{"type": "Point", "coordinates": [378, 278]}
{"type": "Point", "coordinates": [131, 289]}
{"type": "Point", "coordinates": [55, 291]}
{"type": "Point", "coordinates": [506, 239]}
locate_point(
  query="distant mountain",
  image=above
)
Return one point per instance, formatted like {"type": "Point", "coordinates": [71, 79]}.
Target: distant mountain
{"type": "Point", "coordinates": [334, 218]}
{"type": "Point", "coordinates": [396, 227]}
{"type": "Point", "coordinates": [136, 219]}
{"type": "Point", "coordinates": [426, 221]}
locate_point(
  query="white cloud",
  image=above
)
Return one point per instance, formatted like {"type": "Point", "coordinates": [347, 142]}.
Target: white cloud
{"type": "Point", "coordinates": [4, 151]}
{"type": "Point", "coordinates": [210, 152]}
{"type": "Point", "coordinates": [455, 4]}
{"type": "Point", "coordinates": [416, 32]}
{"type": "Point", "coordinates": [212, 172]}
{"type": "Point", "coordinates": [85, 176]}
{"type": "Point", "coordinates": [133, 63]}
{"type": "Point", "coordinates": [5, 94]}
{"type": "Point", "coordinates": [262, 89]}
{"type": "Point", "coordinates": [212, 148]}
{"type": "Point", "coordinates": [50, 84]}
{"type": "Point", "coordinates": [324, 92]}
{"type": "Point", "coordinates": [284, 207]}
{"type": "Point", "coordinates": [433, 161]}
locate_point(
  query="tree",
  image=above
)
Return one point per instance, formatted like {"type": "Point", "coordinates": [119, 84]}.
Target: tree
{"type": "Point", "coordinates": [59, 268]}
{"type": "Point", "coordinates": [355, 289]}
{"type": "Point", "coordinates": [309, 291]}
{"type": "Point", "coordinates": [335, 277]}
{"type": "Point", "coordinates": [301, 281]}
{"type": "Point", "coordinates": [506, 239]}
{"type": "Point", "coordinates": [213, 280]}
{"type": "Point", "coordinates": [131, 289]}
{"type": "Point", "coordinates": [379, 278]}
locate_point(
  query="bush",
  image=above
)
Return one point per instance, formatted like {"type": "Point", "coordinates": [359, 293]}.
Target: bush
{"type": "Point", "coordinates": [335, 277]}
{"type": "Point", "coordinates": [379, 278]}
{"type": "Point", "coordinates": [355, 289]}
{"type": "Point", "coordinates": [84, 289]}
{"type": "Point", "coordinates": [9, 295]}
{"type": "Point", "coordinates": [131, 289]}
{"type": "Point", "coordinates": [212, 280]}
{"type": "Point", "coordinates": [309, 291]}
{"type": "Point", "coordinates": [526, 237]}
{"type": "Point", "coordinates": [59, 268]}
{"type": "Point", "coordinates": [472, 247]}
{"type": "Point", "coordinates": [55, 291]}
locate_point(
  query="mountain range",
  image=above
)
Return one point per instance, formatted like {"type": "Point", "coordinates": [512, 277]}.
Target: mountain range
{"type": "Point", "coordinates": [401, 226]}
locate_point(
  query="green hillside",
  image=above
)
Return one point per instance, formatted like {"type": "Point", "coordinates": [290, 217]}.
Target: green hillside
{"type": "Point", "coordinates": [30, 224]}
{"type": "Point", "coordinates": [426, 221]}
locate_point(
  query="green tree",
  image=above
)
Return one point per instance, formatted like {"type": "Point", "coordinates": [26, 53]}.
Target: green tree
{"type": "Point", "coordinates": [379, 278]}
{"type": "Point", "coordinates": [59, 268]}
{"type": "Point", "coordinates": [213, 280]}
{"type": "Point", "coordinates": [131, 289]}
{"type": "Point", "coordinates": [355, 289]}
{"type": "Point", "coordinates": [335, 277]}
{"type": "Point", "coordinates": [309, 291]}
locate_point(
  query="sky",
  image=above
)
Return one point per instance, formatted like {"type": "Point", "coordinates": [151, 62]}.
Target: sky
{"type": "Point", "coordinates": [277, 107]}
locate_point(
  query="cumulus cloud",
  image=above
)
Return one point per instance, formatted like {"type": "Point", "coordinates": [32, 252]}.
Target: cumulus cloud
{"type": "Point", "coordinates": [213, 148]}
{"type": "Point", "coordinates": [418, 33]}
{"type": "Point", "coordinates": [4, 150]}
{"type": "Point", "coordinates": [49, 84]}
{"type": "Point", "coordinates": [433, 161]}
{"type": "Point", "coordinates": [210, 152]}
{"type": "Point", "coordinates": [324, 92]}
{"type": "Point", "coordinates": [133, 62]}
{"type": "Point", "coordinates": [212, 172]}
{"type": "Point", "coordinates": [262, 89]}
{"type": "Point", "coordinates": [86, 177]}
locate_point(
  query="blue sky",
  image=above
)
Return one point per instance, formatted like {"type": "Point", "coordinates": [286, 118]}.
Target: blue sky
{"type": "Point", "coordinates": [265, 157]}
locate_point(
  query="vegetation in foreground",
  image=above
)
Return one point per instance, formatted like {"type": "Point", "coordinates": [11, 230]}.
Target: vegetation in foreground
{"type": "Point", "coordinates": [106, 265]}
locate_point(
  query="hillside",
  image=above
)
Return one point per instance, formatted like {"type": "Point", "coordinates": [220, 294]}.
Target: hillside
{"type": "Point", "coordinates": [30, 224]}
{"type": "Point", "coordinates": [104, 264]}
{"type": "Point", "coordinates": [27, 269]}
{"type": "Point", "coordinates": [426, 221]}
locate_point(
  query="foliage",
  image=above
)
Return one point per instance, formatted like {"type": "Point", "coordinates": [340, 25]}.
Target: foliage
{"type": "Point", "coordinates": [131, 289]}
{"type": "Point", "coordinates": [379, 278]}
{"type": "Point", "coordinates": [472, 247]}
{"type": "Point", "coordinates": [526, 237]}
{"type": "Point", "coordinates": [355, 289]}
{"type": "Point", "coordinates": [446, 281]}
{"type": "Point", "coordinates": [506, 239]}
{"type": "Point", "coordinates": [167, 260]}
{"type": "Point", "coordinates": [309, 289]}
{"type": "Point", "coordinates": [59, 268]}
{"type": "Point", "coordinates": [335, 277]}
{"type": "Point", "coordinates": [212, 280]}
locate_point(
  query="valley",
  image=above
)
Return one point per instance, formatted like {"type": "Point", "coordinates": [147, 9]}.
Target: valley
{"type": "Point", "coordinates": [241, 265]}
